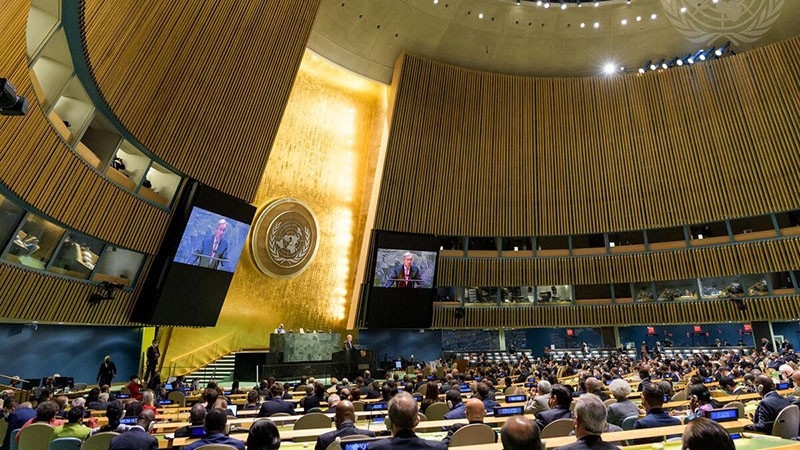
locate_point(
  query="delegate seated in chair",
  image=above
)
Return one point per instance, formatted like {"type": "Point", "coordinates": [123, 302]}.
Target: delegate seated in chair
{"type": "Point", "coordinates": [345, 426]}
{"type": "Point", "coordinates": [475, 413]}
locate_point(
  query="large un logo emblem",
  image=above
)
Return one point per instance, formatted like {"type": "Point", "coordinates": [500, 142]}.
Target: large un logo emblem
{"type": "Point", "coordinates": [284, 239]}
{"type": "Point", "coordinates": [738, 21]}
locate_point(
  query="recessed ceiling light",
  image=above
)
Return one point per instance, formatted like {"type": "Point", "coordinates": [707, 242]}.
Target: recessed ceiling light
{"type": "Point", "coordinates": [638, 18]}
{"type": "Point", "coordinates": [624, 21]}
{"type": "Point", "coordinates": [583, 25]}
{"type": "Point", "coordinates": [683, 9]}
{"type": "Point", "coordinates": [609, 68]}
{"type": "Point", "coordinates": [597, 24]}
{"type": "Point", "coordinates": [653, 16]}
{"type": "Point", "coordinates": [480, 15]}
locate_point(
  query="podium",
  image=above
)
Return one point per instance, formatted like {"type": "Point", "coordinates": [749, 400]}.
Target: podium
{"type": "Point", "coordinates": [304, 347]}
{"type": "Point", "coordinates": [356, 360]}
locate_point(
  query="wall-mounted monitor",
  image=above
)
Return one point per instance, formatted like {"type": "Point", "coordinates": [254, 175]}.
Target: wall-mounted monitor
{"type": "Point", "coordinates": [194, 266]}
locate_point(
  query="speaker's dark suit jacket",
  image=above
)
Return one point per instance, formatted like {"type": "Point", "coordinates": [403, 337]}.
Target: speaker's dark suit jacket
{"type": "Point", "coordinates": [406, 440]}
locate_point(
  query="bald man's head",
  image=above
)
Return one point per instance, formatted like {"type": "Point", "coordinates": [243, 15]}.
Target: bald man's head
{"type": "Point", "coordinates": [403, 412]}
{"type": "Point", "coordinates": [475, 410]}
{"type": "Point", "coordinates": [345, 412]}
{"type": "Point", "coordinates": [519, 433]}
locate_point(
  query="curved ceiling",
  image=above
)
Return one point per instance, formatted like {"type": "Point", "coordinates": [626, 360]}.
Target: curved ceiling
{"type": "Point", "coordinates": [367, 36]}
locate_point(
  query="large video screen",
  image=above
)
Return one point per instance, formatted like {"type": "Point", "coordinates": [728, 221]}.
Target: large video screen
{"type": "Point", "coordinates": [400, 268]}
{"type": "Point", "coordinates": [212, 240]}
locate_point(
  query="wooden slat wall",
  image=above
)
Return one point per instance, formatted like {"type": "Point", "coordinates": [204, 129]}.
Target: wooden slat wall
{"type": "Point", "coordinates": [202, 85]}
{"type": "Point", "coordinates": [28, 295]}
{"type": "Point", "coordinates": [709, 311]}
{"type": "Point", "coordinates": [481, 154]}
{"type": "Point", "coordinates": [776, 255]}
{"type": "Point", "coordinates": [42, 170]}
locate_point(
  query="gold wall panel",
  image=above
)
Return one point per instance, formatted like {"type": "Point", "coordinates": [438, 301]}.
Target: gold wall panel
{"type": "Point", "coordinates": [708, 311]}
{"type": "Point", "coordinates": [486, 154]}
{"type": "Point", "coordinates": [778, 255]}
{"type": "Point", "coordinates": [200, 84]}
{"type": "Point", "coordinates": [324, 155]}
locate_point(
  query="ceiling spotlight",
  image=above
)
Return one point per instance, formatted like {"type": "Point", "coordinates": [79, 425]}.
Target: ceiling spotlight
{"type": "Point", "coordinates": [583, 25]}
{"type": "Point", "coordinates": [638, 18]}
{"type": "Point", "coordinates": [579, 3]}
{"type": "Point", "coordinates": [546, 4]}
{"type": "Point", "coordinates": [597, 24]}
{"type": "Point", "coordinates": [672, 62]}
{"type": "Point", "coordinates": [538, 2]}
{"type": "Point", "coordinates": [683, 9]}
{"type": "Point", "coordinates": [596, 3]}
{"type": "Point", "coordinates": [653, 16]}
{"type": "Point", "coordinates": [518, 1]}
{"type": "Point", "coordinates": [694, 57]}
{"type": "Point", "coordinates": [11, 104]}
{"type": "Point", "coordinates": [658, 64]}
{"type": "Point", "coordinates": [563, 5]}
{"type": "Point", "coordinates": [609, 68]}
{"type": "Point", "coordinates": [627, 2]}
{"type": "Point", "coordinates": [644, 68]}
{"type": "Point", "coordinates": [706, 54]}
{"type": "Point", "coordinates": [624, 21]}
{"type": "Point", "coordinates": [721, 51]}
{"type": "Point", "coordinates": [680, 61]}
{"type": "Point", "coordinates": [480, 15]}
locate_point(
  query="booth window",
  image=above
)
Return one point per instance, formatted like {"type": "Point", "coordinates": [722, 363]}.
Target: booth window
{"type": "Point", "coordinates": [34, 243]}
{"type": "Point", "coordinates": [77, 256]}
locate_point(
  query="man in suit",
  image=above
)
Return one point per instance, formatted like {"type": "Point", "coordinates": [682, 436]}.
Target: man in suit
{"type": "Point", "coordinates": [595, 386]}
{"type": "Point", "coordinates": [153, 355]}
{"type": "Point", "coordinates": [276, 404]}
{"type": "Point", "coordinates": [482, 393]}
{"type": "Point", "coordinates": [540, 398]}
{"type": "Point", "coordinates": [216, 419]}
{"type": "Point", "coordinates": [519, 433]}
{"type": "Point", "coordinates": [137, 437]}
{"type": "Point", "coordinates": [589, 422]}
{"type": "Point", "coordinates": [560, 400]}
{"type": "Point", "coordinates": [345, 426]}
{"type": "Point", "coordinates": [475, 414]}
{"type": "Point", "coordinates": [768, 408]}
{"type": "Point", "coordinates": [214, 249]}
{"type": "Point", "coordinates": [653, 400]}
{"type": "Point", "coordinates": [405, 275]}
{"type": "Point", "coordinates": [197, 418]}
{"type": "Point", "coordinates": [457, 408]}
{"type": "Point", "coordinates": [348, 343]}
{"type": "Point", "coordinates": [404, 415]}
{"type": "Point", "coordinates": [19, 415]}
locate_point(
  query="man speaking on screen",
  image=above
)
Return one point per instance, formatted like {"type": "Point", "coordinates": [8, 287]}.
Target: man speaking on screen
{"type": "Point", "coordinates": [212, 253]}
{"type": "Point", "coordinates": [406, 275]}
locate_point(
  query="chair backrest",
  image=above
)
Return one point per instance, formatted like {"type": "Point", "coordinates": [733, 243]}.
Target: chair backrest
{"type": "Point", "coordinates": [66, 443]}
{"type": "Point", "coordinates": [177, 397]}
{"type": "Point", "coordinates": [738, 405]}
{"type": "Point", "coordinates": [627, 423]}
{"type": "Point", "coordinates": [35, 436]}
{"type": "Point", "coordinates": [79, 386]}
{"type": "Point", "coordinates": [12, 440]}
{"type": "Point", "coordinates": [716, 393]}
{"type": "Point", "coordinates": [679, 396]}
{"type": "Point", "coordinates": [436, 411]}
{"type": "Point", "coordinates": [473, 434]}
{"type": "Point", "coordinates": [216, 447]}
{"type": "Point", "coordinates": [312, 420]}
{"type": "Point", "coordinates": [787, 422]}
{"type": "Point", "coordinates": [99, 441]}
{"type": "Point", "coordinates": [422, 417]}
{"type": "Point", "coordinates": [124, 390]}
{"type": "Point", "coordinates": [280, 414]}
{"type": "Point", "coordinates": [3, 428]}
{"type": "Point", "coordinates": [314, 409]}
{"type": "Point", "coordinates": [511, 390]}
{"type": "Point", "coordinates": [610, 401]}
{"type": "Point", "coordinates": [423, 389]}
{"type": "Point", "coordinates": [358, 405]}
{"type": "Point", "coordinates": [557, 428]}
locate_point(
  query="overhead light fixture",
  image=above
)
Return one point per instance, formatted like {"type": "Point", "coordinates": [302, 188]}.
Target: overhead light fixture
{"type": "Point", "coordinates": [722, 50]}
{"type": "Point", "coordinates": [658, 64]}
{"type": "Point", "coordinates": [546, 4]}
{"type": "Point", "coordinates": [683, 59]}
{"type": "Point", "coordinates": [696, 57]}
{"type": "Point", "coordinates": [596, 3]}
{"type": "Point", "coordinates": [609, 68]}
{"type": "Point", "coordinates": [706, 53]}
{"type": "Point", "coordinates": [644, 68]}
{"type": "Point", "coordinates": [11, 104]}
{"type": "Point", "coordinates": [563, 5]}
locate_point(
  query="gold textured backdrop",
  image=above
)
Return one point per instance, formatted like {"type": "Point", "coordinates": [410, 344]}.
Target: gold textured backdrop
{"type": "Point", "coordinates": [324, 155]}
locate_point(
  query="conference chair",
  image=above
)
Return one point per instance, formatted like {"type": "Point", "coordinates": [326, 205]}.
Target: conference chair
{"type": "Point", "coordinates": [178, 398]}
{"type": "Point", "coordinates": [423, 389]}
{"type": "Point", "coordinates": [99, 441]}
{"type": "Point", "coordinates": [358, 405]}
{"type": "Point", "coordinates": [3, 428]}
{"type": "Point", "coordinates": [216, 447]}
{"type": "Point", "coordinates": [513, 390]}
{"type": "Point", "coordinates": [35, 436]}
{"type": "Point", "coordinates": [627, 423]}
{"type": "Point", "coordinates": [473, 434]}
{"type": "Point", "coordinates": [280, 414]}
{"type": "Point", "coordinates": [786, 423]}
{"type": "Point", "coordinates": [311, 421]}
{"type": "Point", "coordinates": [557, 428]}
{"type": "Point", "coordinates": [610, 401]}
{"type": "Point", "coordinates": [422, 417]}
{"type": "Point", "coordinates": [679, 396]}
{"type": "Point", "coordinates": [66, 443]}
{"type": "Point", "coordinates": [436, 411]}
{"type": "Point", "coordinates": [12, 440]}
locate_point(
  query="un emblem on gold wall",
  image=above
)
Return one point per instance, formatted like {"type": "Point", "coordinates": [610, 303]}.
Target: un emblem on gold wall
{"type": "Point", "coordinates": [284, 239]}
{"type": "Point", "coordinates": [738, 21]}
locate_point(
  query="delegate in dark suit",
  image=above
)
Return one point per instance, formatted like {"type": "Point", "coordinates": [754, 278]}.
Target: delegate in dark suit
{"type": "Point", "coordinates": [274, 406]}
{"type": "Point", "coordinates": [405, 440]}
{"type": "Point", "coordinates": [134, 439]}
{"type": "Point", "coordinates": [211, 258]}
{"type": "Point", "coordinates": [345, 429]}
{"type": "Point", "coordinates": [545, 417]}
{"type": "Point", "coordinates": [590, 442]}
{"type": "Point", "coordinates": [16, 420]}
{"type": "Point", "coordinates": [406, 275]}
{"type": "Point", "coordinates": [768, 408]}
{"type": "Point", "coordinates": [404, 416]}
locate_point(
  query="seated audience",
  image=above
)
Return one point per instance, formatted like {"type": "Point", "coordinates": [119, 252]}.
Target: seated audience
{"type": "Point", "coordinates": [114, 413]}
{"type": "Point", "coordinates": [539, 398]}
{"type": "Point", "coordinates": [19, 415]}
{"type": "Point", "coordinates": [482, 393]}
{"type": "Point", "coordinates": [216, 419]}
{"type": "Point", "coordinates": [100, 404]}
{"type": "Point", "coordinates": [702, 434]}
{"type": "Point", "coordinates": [137, 437]}
{"type": "Point", "coordinates": [74, 426]}
{"type": "Point", "coordinates": [333, 400]}
{"type": "Point", "coordinates": [768, 408]}
{"type": "Point", "coordinates": [594, 386]}
{"type": "Point", "coordinates": [653, 400]}
{"type": "Point", "coordinates": [209, 397]}
{"type": "Point", "coordinates": [403, 414]}
{"type": "Point", "coordinates": [135, 387]}
{"type": "Point", "coordinates": [520, 433]}
{"type": "Point", "coordinates": [61, 401]}
{"type": "Point", "coordinates": [589, 423]}
{"type": "Point", "coordinates": [431, 396]}
{"type": "Point", "coordinates": [700, 401]}
{"type": "Point", "coordinates": [263, 435]}
{"type": "Point", "coordinates": [475, 414]}
{"type": "Point", "coordinates": [453, 401]}
{"type": "Point", "coordinates": [252, 401]}
{"type": "Point", "coordinates": [344, 420]}
{"type": "Point", "coordinates": [149, 401]}
{"type": "Point", "coordinates": [197, 418]}
{"type": "Point", "coordinates": [624, 407]}
{"type": "Point", "coordinates": [560, 401]}
{"type": "Point", "coordinates": [277, 404]}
